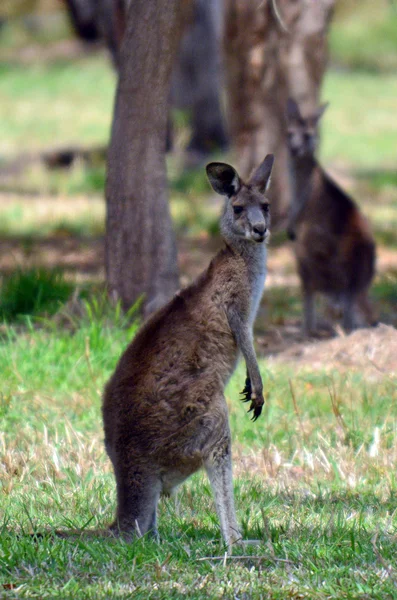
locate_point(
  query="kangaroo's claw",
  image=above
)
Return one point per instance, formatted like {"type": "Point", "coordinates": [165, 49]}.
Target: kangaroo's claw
{"type": "Point", "coordinates": [256, 405]}
{"type": "Point", "coordinates": [256, 402]}
{"type": "Point", "coordinates": [247, 391]}
{"type": "Point", "coordinates": [257, 413]}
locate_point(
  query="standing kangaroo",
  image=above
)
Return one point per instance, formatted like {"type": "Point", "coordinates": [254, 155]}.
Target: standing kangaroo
{"type": "Point", "coordinates": [334, 247]}
{"type": "Point", "coordinates": [164, 410]}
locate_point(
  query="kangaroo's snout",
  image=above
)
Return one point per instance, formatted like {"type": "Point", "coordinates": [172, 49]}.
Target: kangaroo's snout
{"type": "Point", "coordinates": [259, 228]}
{"type": "Point", "coordinates": [259, 231]}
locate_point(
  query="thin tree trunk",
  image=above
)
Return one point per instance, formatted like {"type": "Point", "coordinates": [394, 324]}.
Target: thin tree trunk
{"type": "Point", "coordinates": [307, 53]}
{"type": "Point", "coordinates": [273, 49]}
{"type": "Point", "coordinates": [82, 14]}
{"type": "Point", "coordinates": [197, 79]}
{"type": "Point", "coordinates": [140, 245]}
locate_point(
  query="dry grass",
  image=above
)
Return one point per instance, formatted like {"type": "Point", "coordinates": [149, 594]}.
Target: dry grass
{"type": "Point", "coordinates": [370, 351]}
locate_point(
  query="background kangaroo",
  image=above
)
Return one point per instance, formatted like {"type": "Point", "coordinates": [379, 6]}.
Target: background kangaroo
{"type": "Point", "coordinates": [165, 415]}
{"type": "Point", "coordinates": [334, 247]}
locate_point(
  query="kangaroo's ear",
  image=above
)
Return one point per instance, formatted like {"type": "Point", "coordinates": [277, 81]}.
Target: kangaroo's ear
{"type": "Point", "coordinates": [261, 176]}
{"type": "Point", "coordinates": [321, 110]}
{"type": "Point", "coordinates": [293, 112]}
{"type": "Point", "coordinates": [223, 178]}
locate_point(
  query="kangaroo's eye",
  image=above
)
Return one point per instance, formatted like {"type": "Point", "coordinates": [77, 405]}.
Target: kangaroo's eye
{"type": "Point", "coordinates": [265, 208]}
{"type": "Point", "coordinates": [237, 210]}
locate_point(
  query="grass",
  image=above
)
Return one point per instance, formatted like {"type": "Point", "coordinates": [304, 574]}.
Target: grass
{"type": "Point", "coordinates": [361, 112]}
{"type": "Point", "coordinates": [32, 292]}
{"type": "Point", "coordinates": [363, 35]}
{"type": "Point", "coordinates": [315, 483]}
{"type": "Point", "coordinates": [314, 477]}
{"type": "Point", "coordinates": [41, 216]}
{"type": "Point", "coordinates": [357, 128]}
{"type": "Point", "coordinates": [362, 105]}
{"type": "Point", "coordinates": [67, 93]}
{"type": "Point", "coordinates": [27, 24]}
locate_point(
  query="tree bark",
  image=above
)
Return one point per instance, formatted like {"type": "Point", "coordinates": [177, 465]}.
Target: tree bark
{"type": "Point", "coordinates": [197, 79]}
{"type": "Point", "coordinates": [273, 49]}
{"type": "Point", "coordinates": [82, 14]}
{"type": "Point", "coordinates": [141, 254]}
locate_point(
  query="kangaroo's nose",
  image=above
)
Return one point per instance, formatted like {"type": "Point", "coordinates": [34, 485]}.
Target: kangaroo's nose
{"type": "Point", "coordinates": [259, 228]}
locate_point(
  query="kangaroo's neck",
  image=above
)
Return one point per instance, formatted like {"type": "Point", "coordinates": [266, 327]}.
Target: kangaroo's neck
{"type": "Point", "coordinates": [254, 256]}
{"type": "Point", "coordinates": [301, 174]}
{"type": "Point", "coordinates": [301, 170]}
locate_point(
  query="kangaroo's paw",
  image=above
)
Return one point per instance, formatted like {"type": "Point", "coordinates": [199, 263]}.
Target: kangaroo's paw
{"type": "Point", "coordinates": [257, 402]}
{"type": "Point", "coordinates": [247, 391]}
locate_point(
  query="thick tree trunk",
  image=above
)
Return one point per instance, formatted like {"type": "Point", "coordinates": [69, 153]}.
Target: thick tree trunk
{"type": "Point", "coordinates": [273, 49]}
{"type": "Point", "coordinates": [140, 246]}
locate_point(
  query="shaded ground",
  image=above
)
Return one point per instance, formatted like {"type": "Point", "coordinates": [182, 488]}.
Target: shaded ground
{"type": "Point", "coordinates": [278, 327]}
{"type": "Point", "coordinates": [55, 217]}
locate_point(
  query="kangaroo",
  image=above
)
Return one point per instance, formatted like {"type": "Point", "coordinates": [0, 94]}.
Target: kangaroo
{"type": "Point", "coordinates": [334, 247]}
{"type": "Point", "coordinates": [164, 410]}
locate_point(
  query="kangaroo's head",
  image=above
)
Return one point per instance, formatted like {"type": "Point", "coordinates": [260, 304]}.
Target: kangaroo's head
{"type": "Point", "coordinates": [302, 133]}
{"type": "Point", "coordinates": [246, 215]}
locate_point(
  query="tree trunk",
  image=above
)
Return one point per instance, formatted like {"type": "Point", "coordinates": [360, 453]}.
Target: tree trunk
{"type": "Point", "coordinates": [82, 14]}
{"type": "Point", "coordinates": [197, 80]}
{"type": "Point", "coordinates": [140, 246]}
{"type": "Point", "coordinates": [273, 49]}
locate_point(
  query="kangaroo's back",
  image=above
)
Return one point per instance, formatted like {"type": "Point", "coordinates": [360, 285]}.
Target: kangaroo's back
{"type": "Point", "coordinates": [174, 368]}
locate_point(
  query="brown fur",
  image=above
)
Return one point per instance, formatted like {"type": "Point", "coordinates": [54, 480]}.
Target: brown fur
{"type": "Point", "coordinates": [164, 411]}
{"type": "Point", "coordinates": [334, 246]}
{"type": "Point", "coordinates": [167, 377]}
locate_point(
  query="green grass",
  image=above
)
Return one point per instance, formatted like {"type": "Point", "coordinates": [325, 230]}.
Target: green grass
{"type": "Point", "coordinates": [49, 27]}
{"type": "Point", "coordinates": [77, 180]}
{"type": "Point", "coordinates": [57, 103]}
{"type": "Point", "coordinates": [359, 137]}
{"type": "Point", "coordinates": [364, 35]}
{"type": "Point", "coordinates": [32, 292]}
{"type": "Point", "coordinates": [315, 483]}
{"type": "Point", "coordinates": [72, 103]}
{"type": "Point", "coordinates": [358, 129]}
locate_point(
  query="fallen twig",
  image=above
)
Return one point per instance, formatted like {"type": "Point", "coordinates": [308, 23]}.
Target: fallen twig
{"type": "Point", "coordinates": [245, 557]}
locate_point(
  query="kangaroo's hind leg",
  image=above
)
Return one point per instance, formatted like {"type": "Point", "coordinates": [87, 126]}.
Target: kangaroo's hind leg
{"type": "Point", "coordinates": [219, 469]}
{"type": "Point", "coordinates": [309, 314]}
{"type": "Point", "coordinates": [351, 317]}
{"type": "Point", "coordinates": [138, 492]}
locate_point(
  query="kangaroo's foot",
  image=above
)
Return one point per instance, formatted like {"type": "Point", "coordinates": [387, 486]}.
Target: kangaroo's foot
{"type": "Point", "coordinates": [128, 534]}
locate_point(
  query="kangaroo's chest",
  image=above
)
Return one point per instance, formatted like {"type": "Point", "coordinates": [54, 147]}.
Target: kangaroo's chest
{"type": "Point", "coordinates": [320, 259]}
{"type": "Point", "coordinates": [257, 286]}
